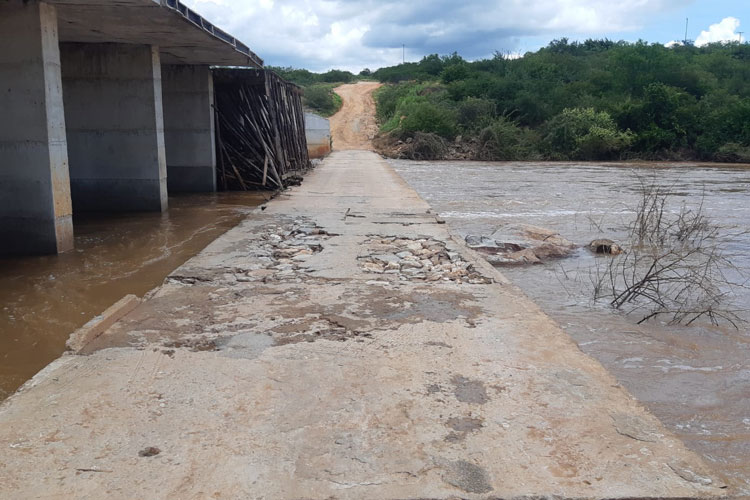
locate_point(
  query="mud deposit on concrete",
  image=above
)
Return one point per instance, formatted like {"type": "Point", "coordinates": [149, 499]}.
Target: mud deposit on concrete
{"type": "Point", "coordinates": [467, 476]}
{"type": "Point", "coordinates": [469, 391]}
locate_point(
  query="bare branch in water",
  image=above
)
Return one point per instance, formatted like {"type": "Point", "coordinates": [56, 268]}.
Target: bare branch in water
{"type": "Point", "coordinates": [674, 265]}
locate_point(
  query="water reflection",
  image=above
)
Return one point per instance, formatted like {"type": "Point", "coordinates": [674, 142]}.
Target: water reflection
{"type": "Point", "coordinates": [43, 299]}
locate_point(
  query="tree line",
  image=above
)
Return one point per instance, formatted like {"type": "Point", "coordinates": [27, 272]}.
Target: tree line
{"type": "Point", "coordinates": [592, 100]}
{"type": "Point", "coordinates": [318, 87]}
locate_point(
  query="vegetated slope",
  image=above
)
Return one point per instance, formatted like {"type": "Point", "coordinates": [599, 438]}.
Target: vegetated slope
{"type": "Point", "coordinates": [354, 126]}
{"type": "Point", "coordinates": [595, 100]}
{"type": "Point", "coordinates": [318, 95]}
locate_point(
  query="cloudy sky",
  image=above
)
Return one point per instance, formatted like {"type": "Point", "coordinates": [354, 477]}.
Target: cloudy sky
{"type": "Point", "coordinates": [354, 34]}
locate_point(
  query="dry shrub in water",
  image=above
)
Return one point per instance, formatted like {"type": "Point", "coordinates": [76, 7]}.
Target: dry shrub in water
{"type": "Point", "coordinates": [426, 146]}
{"type": "Point", "coordinates": [674, 264]}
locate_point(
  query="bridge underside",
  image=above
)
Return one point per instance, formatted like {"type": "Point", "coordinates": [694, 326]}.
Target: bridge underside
{"type": "Point", "coordinates": [103, 102]}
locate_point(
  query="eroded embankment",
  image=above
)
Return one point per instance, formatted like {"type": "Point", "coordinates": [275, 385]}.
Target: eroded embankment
{"type": "Point", "coordinates": [339, 344]}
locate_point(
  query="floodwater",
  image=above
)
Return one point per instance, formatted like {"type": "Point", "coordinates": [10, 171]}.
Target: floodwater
{"type": "Point", "coordinates": [44, 299]}
{"type": "Point", "coordinates": [695, 379]}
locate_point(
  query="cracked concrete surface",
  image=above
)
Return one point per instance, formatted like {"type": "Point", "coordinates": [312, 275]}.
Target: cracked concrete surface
{"type": "Point", "coordinates": [274, 365]}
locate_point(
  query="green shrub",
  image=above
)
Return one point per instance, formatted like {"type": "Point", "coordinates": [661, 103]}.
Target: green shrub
{"type": "Point", "coordinates": [475, 113]}
{"type": "Point", "coordinates": [337, 76]}
{"type": "Point", "coordinates": [584, 134]}
{"type": "Point", "coordinates": [388, 96]}
{"type": "Point", "coordinates": [503, 139]}
{"type": "Point", "coordinates": [454, 73]}
{"type": "Point", "coordinates": [418, 114]}
{"type": "Point", "coordinates": [322, 99]}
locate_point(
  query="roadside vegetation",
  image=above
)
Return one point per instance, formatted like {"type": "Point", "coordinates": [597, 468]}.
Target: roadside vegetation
{"type": "Point", "coordinates": [595, 100]}
{"type": "Point", "coordinates": [318, 95]}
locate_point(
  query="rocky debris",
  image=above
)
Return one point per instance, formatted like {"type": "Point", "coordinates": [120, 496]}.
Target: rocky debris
{"type": "Point", "coordinates": [489, 246]}
{"type": "Point", "coordinates": [282, 250]}
{"type": "Point", "coordinates": [426, 146]}
{"type": "Point", "coordinates": [419, 259]}
{"type": "Point", "coordinates": [544, 235]}
{"type": "Point", "coordinates": [604, 246]}
{"type": "Point", "coordinates": [277, 252]}
{"type": "Point", "coordinates": [539, 244]}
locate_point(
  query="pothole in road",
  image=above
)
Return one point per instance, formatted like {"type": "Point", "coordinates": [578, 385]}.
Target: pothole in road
{"type": "Point", "coordinates": [277, 252]}
{"type": "Point", "coordinates": [418, 259]}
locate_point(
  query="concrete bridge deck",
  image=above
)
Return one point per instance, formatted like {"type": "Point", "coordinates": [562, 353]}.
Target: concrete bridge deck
{"type": "Point", "coordinates": [339, 344]}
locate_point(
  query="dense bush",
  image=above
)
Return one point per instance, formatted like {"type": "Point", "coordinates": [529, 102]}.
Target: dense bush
{"type": "Point", "coordinates": [305, 78]}
{"type": "Point", "coordinates": [505, 140]}
{"type": "Point", "coordinates": [387, 98]}
{"type": "Point", "coordinates": [583, 133]}
{"type": "Point", "coordinates": [320, 98]}
{"type": "Point", "coordinates": [419, 114]}
{"type": "Point", "coordinates": [596, 99]}
{"type": "Point", "coordinates": [474, 113]}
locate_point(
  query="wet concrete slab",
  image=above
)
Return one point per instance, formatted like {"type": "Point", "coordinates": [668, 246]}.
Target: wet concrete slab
{"type": "Point", "coordinates": [339, 344]}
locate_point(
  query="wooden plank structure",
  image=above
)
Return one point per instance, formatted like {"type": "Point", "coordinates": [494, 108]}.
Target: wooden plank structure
{"type": "Point", "coordinates": [260, 130]}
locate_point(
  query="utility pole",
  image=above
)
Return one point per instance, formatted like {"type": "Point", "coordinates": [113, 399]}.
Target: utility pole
{"type": "Point", "coordinates": [684, 40]}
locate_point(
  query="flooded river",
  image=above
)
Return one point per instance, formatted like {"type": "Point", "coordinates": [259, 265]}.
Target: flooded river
{"type": "Point", "coordinates": [43, 299]}
{"type": "Point", "coordinates": [695, 379]}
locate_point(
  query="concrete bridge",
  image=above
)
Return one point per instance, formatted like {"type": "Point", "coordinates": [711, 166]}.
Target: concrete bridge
{"type": "Point", "coordinates": [105, 106]}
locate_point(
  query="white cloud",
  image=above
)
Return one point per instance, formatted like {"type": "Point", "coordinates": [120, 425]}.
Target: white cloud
{"type": "Point", "coordinates": [352, 34]}
{"type": "Point", "coordinates": [723, 31]}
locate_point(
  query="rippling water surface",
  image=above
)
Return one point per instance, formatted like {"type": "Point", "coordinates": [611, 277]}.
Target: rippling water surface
{"type": "Point", "coordinates": [695, 379]}
{"type": "Point", "coordinates": [44, 299]}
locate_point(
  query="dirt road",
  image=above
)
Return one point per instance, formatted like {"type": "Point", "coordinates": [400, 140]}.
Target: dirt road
{"type": "Point", "coordinates": [354, 126]}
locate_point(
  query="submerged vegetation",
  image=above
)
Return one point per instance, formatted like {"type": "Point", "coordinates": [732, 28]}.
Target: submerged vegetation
{"type": "Point", "coordinates": [595, 100]}
{"type": "Point", "coordinates": [675, 264]}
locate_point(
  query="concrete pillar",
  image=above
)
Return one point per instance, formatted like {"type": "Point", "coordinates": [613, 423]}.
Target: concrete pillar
{"type": "Point", "coordinates": [113, 110]}
{"type": "Point", "coordinates": [188, 93]}
{"type": "Point", "coordinates": [35, 210]}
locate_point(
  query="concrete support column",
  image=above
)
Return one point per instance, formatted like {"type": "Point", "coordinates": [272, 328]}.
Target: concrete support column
{"type": "Point", "coordinates": [188, 93]}
{"type": "Point", "coordinates": [113, 110]}
{"type": "Point", "coordinates": [35, 209]}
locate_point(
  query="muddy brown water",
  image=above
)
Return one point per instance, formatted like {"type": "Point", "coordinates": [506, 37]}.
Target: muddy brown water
{"type": "Point", "coordinates": [695, 379]}
{"type": "Point", "coordinates": [44, 299]}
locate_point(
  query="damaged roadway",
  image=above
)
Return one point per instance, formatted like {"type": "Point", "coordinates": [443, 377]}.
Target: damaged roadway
{"type": "Point", "coordinates": [339, 344]}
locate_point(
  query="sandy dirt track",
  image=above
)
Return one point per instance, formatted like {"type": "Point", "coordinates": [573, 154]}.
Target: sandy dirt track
{"type": "Point", "coordinates": [354, 126]}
